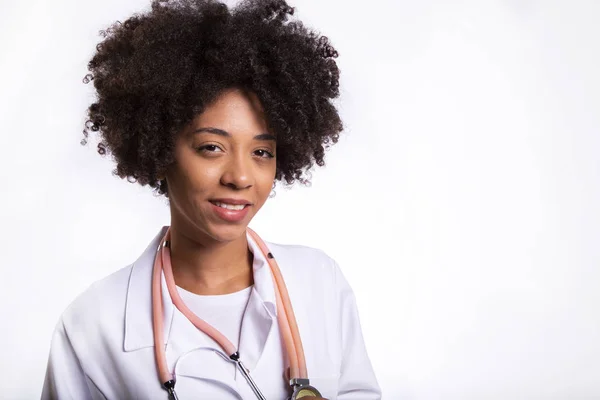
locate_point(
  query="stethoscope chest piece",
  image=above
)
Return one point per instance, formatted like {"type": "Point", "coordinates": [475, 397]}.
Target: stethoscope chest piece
{"type": "Point", "coordinates": [303, 389]}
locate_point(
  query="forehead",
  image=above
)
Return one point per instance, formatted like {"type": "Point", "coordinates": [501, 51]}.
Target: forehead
{"type": "Point", "coordinates": [235, 111]}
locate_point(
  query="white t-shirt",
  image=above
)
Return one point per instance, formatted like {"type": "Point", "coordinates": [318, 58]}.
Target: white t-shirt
{"type": "Point", "coordinates": [223, 312]}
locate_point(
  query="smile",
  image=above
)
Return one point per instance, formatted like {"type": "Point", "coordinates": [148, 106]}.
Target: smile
{"type": "Point", "coordinates": [230, 212]}
{"type": "Point", "coordinates": [236, 207]}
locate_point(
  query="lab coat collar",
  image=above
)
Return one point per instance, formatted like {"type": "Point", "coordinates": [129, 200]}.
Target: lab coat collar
{"type": "Point", "coordinates": [256, 325]}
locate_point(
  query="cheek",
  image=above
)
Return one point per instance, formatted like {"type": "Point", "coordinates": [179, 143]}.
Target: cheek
{"type": "Point", "coordinates": [199, 183]}
{"type": "Point", "coordinates": [189, 186]}
{"type": "Point", "coordinates": [199, 176]}
{"type": "Point", "coordinates": [204, 177]}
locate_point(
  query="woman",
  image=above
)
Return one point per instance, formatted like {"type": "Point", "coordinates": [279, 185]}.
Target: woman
{"type": "Point", "coordinates": [212, 106]}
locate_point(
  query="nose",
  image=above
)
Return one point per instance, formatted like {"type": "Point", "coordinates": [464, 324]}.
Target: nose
{"type": "Point", "coordinates": [237, 173]}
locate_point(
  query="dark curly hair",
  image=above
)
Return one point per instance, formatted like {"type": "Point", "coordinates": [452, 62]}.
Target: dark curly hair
{"type": "Point", "coordinates": [157, 70]}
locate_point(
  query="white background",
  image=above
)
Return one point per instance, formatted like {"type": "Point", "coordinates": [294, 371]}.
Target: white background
{"type": "Point", "coordinates": [462, 202]}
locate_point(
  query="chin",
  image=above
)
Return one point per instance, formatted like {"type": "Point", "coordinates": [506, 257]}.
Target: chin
{"type": "Point", "coordinates": [225, 233]}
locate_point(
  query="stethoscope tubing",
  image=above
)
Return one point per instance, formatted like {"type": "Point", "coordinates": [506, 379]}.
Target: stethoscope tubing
{"type": "Point", "coordinates": [285, 317]}
{"type": "Point", "coordinates": [288, 318]}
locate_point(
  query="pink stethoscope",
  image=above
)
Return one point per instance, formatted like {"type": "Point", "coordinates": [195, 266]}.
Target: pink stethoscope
{"type": "Point", "coordinates": [285, 317]}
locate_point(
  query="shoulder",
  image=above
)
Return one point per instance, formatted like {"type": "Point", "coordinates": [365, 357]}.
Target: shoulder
{"type": "Point", "coordinates": [101, 303]}
{"type": "Point", "coordinates": [306, 267]}
{"type": "Point", "coordinates": [302, 259]}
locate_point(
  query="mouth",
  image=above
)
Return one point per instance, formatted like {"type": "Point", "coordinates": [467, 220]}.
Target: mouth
{"type": "Point", "coordinates": [230, 212]}
{"type": "Point", "coordinates": [229, 206]}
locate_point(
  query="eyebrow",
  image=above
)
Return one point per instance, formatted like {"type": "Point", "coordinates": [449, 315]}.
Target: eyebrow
{"type": "Point", "coordinates": [221, 132]}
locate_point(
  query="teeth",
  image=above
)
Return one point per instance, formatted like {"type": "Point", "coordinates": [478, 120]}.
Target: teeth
{"type": "Point", "coordinates": [230, 206]}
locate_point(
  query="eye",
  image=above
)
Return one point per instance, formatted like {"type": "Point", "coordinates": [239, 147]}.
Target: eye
{"type": "Point", "coordinates": [262, 153]}
{"type": "Point", "coordinates": [209, 148]}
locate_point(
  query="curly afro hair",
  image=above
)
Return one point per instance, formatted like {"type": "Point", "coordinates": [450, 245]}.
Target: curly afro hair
{"type": "Point", "coordinates": [157, 70]}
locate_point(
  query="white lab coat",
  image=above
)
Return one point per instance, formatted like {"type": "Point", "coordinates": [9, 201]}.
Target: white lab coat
{"type": "Point", "coordinates": [103, 347]}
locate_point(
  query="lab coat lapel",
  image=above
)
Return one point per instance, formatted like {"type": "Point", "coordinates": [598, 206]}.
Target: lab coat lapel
{"type": "Point", "coordinates": [256, 326]}
{"type": "Point", "coordinates": [260, 311]}
{"type": "Point", "coordinates": [138, 308]}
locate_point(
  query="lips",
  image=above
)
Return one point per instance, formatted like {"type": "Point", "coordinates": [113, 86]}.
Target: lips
{"type": "Point", "coordinates": [229, 215]}
{"type": "Point", "coordinates": [231, 201]}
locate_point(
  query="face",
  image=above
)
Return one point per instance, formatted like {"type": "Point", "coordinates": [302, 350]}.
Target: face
{"type": "Point", "coordinates": [224, 168]}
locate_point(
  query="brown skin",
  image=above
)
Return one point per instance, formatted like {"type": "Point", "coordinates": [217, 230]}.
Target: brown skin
{"type": "Point", "coordinates": [209, 255]}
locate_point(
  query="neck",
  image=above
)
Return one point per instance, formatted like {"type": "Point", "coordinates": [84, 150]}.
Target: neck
{"type": "Point", "coordinates": [209, 267]}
